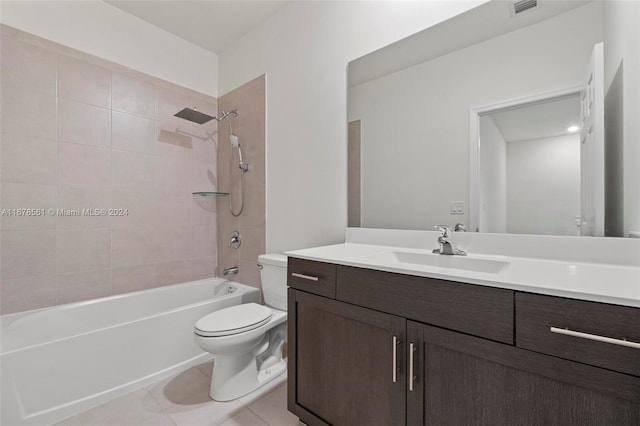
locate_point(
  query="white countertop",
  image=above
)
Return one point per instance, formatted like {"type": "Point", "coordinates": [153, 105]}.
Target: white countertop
{"type": "Point", "coordinates": [598, 282]}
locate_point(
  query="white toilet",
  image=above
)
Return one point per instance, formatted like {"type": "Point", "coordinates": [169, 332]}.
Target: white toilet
{"type": "Point", "coordinates": [247, 339]}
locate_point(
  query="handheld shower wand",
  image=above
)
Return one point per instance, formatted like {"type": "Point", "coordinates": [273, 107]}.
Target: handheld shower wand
{"type": "Point", "coordinates": [235, 143]}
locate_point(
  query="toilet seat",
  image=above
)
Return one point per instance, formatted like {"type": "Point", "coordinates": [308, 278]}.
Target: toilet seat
{"type": "Point", "coordinates": [233, 320]}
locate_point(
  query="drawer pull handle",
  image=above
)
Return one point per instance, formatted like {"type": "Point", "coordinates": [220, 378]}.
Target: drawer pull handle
{"type": "Point", "coordinates": [412, 376]}
{"type": "Point", "coordinates": [394, 367]}
{"type": "Point", "coordinates": [304, 277]}
{"type": "Point", "coordinates": [595, 337]}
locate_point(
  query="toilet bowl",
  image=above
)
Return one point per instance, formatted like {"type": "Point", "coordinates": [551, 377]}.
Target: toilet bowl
{"type": "Point", "coordinates": [247, 339]}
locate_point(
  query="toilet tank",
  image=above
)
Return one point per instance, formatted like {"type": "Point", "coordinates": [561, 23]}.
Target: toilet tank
{"type": "Point", "coordinates": [273, 277]}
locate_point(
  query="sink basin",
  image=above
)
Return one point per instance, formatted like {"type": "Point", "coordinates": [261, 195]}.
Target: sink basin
{"type": "Point", "coordinates": [490, 266]}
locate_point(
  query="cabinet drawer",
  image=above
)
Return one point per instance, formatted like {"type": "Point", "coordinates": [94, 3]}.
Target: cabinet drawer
{"type": "Point", "coordinates": [472, 309]}
{"type": "Point", "coordinates": [313, 277]}
{"type": "Point", "coordinates": [572, 329]}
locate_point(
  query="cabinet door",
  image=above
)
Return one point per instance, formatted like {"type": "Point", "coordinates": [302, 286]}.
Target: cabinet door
{"type": "Point", "coordinates": [469, 381]}
{"type": "Point", "coordinates": [342, 365]}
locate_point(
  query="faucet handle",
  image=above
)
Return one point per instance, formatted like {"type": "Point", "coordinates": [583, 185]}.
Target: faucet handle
{"type": "Point", "coordinates": [445, 231]}
{"type": "Point", "coordinates": [460, 227]}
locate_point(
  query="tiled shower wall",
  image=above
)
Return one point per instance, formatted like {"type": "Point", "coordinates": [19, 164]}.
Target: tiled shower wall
{"type": "Point", "coordinates": [249, 126]}
{"type": "Point", "coordinates": [79, 132]}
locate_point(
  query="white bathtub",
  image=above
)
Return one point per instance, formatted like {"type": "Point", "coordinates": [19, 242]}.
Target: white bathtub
{"type": "Point", "coordinates": [56, 362]}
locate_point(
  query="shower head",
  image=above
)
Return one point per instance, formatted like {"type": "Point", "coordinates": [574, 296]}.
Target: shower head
{"type": "Point", "coordinates": [194, 116]}
{"type": "Point", "coordinates": [235, 142]}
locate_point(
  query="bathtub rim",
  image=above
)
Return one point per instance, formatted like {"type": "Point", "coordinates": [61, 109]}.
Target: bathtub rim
{"type": "Point", "coordinates": [8, 319]}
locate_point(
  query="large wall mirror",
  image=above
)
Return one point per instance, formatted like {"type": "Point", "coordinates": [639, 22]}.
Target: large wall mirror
{"type": "Point", "coordinates": [502, 121]}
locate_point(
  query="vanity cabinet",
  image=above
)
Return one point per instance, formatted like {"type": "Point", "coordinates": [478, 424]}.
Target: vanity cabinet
{"type": "Point", "coordinates": [343, 363]}
{"type": "Point", "coordinates": [392, 349]}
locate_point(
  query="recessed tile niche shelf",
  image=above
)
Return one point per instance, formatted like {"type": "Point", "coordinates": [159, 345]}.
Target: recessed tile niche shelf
{"type": "Point", "coordinates": [210, 194]}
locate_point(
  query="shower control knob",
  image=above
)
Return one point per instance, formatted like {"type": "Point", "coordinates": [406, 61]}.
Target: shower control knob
{"type": "Point", "coordinates": [235, 241]}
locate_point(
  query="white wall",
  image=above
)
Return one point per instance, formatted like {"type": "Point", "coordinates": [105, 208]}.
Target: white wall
{"type": "Point", "coordinates": [415, 122]}
{"type": "Point", "coordinates": [102, 30]}
{"type": "Point", "coordinates": [543, 186]}
{"type": "Point", "coordinates": [304, 51]}
{"type": "Point", "coordinates": [492, 176]}
{"type": "Point", "coordinates": [622, 50]}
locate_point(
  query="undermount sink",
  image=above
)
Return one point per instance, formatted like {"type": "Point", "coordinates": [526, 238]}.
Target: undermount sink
{"type": "Point", "coordinates": [490, 266]}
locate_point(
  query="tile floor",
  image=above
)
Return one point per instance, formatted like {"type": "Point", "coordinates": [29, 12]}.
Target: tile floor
{"type": "Point", "coordinates": [183, 400]}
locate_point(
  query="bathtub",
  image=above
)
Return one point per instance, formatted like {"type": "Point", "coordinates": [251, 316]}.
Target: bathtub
{"type": "Point", "coordinates": [59, 361]}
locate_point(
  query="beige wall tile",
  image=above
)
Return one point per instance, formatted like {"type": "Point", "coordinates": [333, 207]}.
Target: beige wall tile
{"type": "Point", "coordinates": [84, 285]}
{"type": "Point", "coordinates": [132, 169]}
{"type": "Point", "coordinates": [203, 210]}
{"type": "Point", "coordinates": [254, 201]}
{"type": "Point", "coordinates": [204, 241]}
{"type": "Point", "coordinates": [131, 247]}
{"type": "Point", "coordinates": [37, 198]}
{"type": "Point", "coordinates": [27, 253]}
{"type": "Point", "coordinates": [27, 66]}
{"type": "Point", "coordinates": [204, 267]}
{"type": "Point", "coordinates": [173, 170]}
{"type": "Point", "coordinates": [83, 123]}
{"type": "Point", "coordinates": [249, 127]}
{"type": "Point", "coordinates": [139, 204]}
{"type": "Point", "coordinates": [74, 198]}
{"type": "Point", "coordinates": [83, 165]}
{"type": "Point", "coordinates": [171, 210]}
{"type": "Point", "coordinates": [172, 243]}
{"type": "Point", "coordinates": [83, 250]}
{"type": "Point", "coordinates": [203, 176]}
{"type": "Point", "coordinates": [23, 294]}
{"type": "Point", "coordinates": [132, 95]}
{"type": "Point", "coordinates": [170, 101]}
{"type": "Point", "coordinates": [80, 132]}
{"type": "Point", "coordinates": [84, 82]}
{"type": "Point", "coordinates": [28, 113]}
{"type": "Point", "coordinates": [133, 278]}
{"type": "Point", "coordinates": [173, 272]}
{"type": "Point", "coordinates": [28, 160]}
{"type": "Point", "coordinates": [131, 133]}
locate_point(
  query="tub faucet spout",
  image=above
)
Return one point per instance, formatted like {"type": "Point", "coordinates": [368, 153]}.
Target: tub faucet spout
{"type": "Point", "coordinates": [233, 270]}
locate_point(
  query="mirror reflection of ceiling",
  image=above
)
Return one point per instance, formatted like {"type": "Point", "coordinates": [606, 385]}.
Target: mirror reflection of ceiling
{"type": "Point", "coordinates": [539, 120]}
{"type": "Point", "coordinates": [452, 35]}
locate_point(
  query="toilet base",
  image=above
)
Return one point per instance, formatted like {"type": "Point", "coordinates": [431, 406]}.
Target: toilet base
{"type": "Point", "coordinates": [237, 375]}
{"type": "Point", "coordinates": [246, 377]}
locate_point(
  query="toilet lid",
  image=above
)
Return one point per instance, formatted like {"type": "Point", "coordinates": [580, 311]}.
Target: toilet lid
{"type": "Point", "coordinates": [233, 320]}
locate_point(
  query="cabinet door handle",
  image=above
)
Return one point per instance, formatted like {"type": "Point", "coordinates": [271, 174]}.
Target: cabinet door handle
{"type": "Point", "coordinates": [304, 277]}
{"type": "Point", "coordinates": [412, 376]}
{"type": "Point", "coordinates": [595, 337]}
{"type": "Point", "coordinates": [395, 342]}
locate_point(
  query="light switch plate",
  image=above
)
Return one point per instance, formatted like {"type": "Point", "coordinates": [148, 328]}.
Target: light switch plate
{"type": "Point", "coordinates": [456, 207]}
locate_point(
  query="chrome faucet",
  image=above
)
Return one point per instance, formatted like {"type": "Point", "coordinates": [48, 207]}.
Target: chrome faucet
{"type": "Point", "coordinates": [447, 246]}
{"type": "Point", "coordinates": [233, 270]}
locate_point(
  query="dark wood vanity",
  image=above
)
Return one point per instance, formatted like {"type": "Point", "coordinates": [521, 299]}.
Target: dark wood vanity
{"type": "Point", "coordinates": [369, 347]}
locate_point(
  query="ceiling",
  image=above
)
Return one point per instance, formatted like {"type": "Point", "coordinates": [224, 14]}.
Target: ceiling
{"type": "Point", "coordinates": [211, 24]}
{"type": "Point", "coordinates": [538, 120]}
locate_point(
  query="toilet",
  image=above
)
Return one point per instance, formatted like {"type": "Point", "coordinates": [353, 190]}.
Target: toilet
{"type": "Point", "coordinates": [247, 339]}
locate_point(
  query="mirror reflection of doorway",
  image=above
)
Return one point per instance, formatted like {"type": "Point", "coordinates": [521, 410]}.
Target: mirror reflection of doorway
{"type": "Point", "coordinates": [541, 161]}
{"type": "Point", "coordinates": [530, 168]}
